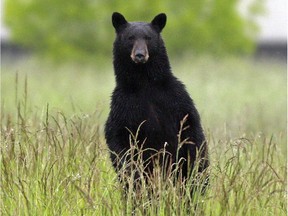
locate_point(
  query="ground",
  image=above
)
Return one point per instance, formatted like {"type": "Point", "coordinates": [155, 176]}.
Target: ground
{"type": "Point", "coordinates": [56, 162]}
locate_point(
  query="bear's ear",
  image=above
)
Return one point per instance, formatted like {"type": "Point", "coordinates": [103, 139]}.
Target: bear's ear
{"type": "Point", "coordinates": [159, 21]}
{"type": "Point", "coordinates": [118, 21]}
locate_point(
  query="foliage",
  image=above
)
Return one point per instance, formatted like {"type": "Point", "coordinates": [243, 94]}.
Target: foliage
{"type": "Point", "coordinates": [82, 29]}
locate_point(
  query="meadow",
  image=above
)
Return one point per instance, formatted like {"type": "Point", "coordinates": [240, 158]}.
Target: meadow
{"type": "Point", "coordinates": [54, 159]}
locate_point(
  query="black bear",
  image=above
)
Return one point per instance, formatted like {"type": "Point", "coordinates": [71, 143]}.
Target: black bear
{"type": "Point", "coordinates": [148, 94]}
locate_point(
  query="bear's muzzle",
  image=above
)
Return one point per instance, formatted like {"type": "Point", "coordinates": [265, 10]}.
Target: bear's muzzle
{"type": "Point", "coordinates": [139, 52]}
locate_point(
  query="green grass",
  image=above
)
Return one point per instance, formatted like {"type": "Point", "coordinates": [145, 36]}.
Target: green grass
{"type": "Point", "coordinates": [54, 160]}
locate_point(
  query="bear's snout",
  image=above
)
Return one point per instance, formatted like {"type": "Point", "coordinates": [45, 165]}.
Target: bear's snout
{"type": "Point", "coordinates": [139, 52]}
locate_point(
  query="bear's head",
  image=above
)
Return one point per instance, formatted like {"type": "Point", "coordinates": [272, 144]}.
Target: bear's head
{"type": "Point", "coordinates": [138, 40]}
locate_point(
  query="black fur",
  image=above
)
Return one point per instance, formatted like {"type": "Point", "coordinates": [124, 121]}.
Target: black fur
{"type": "Point", "coordinates": [148, 92]}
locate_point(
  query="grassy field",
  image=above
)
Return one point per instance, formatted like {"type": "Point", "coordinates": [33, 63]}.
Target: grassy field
{"type": "Point", "coordinates": [54, 160]}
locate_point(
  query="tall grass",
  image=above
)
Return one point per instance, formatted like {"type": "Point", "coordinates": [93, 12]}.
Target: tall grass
{"type": "Point", "coordinates": [54, 160]}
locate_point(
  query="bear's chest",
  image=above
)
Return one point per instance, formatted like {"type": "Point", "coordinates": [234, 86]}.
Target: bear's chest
{"type": "Point", "coordinates": [155, 109]}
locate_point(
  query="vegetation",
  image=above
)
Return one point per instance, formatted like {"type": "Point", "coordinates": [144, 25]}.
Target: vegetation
{"type": "Point", "coordinates": [81, 30]}
{"type": "Point", "coordinates": [54, 160]}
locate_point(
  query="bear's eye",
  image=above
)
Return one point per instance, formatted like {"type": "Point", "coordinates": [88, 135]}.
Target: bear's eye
{"type": "Point", "coordinates": [131, 37]}
{"type": "Point", "coordinates": [147, 38]}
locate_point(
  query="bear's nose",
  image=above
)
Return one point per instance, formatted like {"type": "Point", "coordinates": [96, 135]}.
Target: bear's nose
{"type": "Point", "coordinates": [139, 57]}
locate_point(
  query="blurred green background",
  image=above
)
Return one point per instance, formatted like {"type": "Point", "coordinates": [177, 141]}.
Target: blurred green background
{"type": "Point", "coordinates": [81, 30]}
{"type": "Point", "coordinates": [210, 44]}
